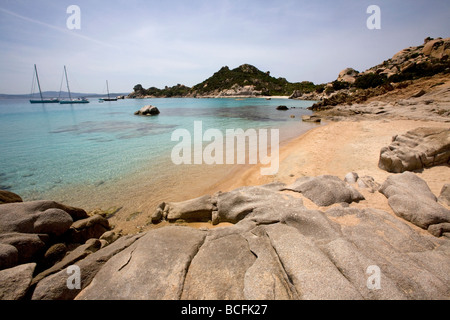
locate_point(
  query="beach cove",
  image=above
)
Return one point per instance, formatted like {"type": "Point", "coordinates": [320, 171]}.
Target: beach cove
{"type": "Point", "coordinates": [102, 157]}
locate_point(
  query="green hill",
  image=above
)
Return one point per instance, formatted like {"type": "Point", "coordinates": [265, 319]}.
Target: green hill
{"type": "Point", "coordinates": [243, 79]}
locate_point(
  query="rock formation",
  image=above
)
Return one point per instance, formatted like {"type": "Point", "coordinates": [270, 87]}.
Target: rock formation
{"type": "Point", "coordinates": [276, 249]}
{"type": "Point", "coordinates": [325, 190]}
{"type": "Point", "coordinates": [417, 149]}
{"type": "Point", "coordinates": [147, 111]}
{"type": "Point", "coordinates": [39, 238]}
{"type": "Point", "coordinates": [9, 197]}
{"type": "Point", "coordinates": [411, 199]}
{"type": "Point", "coordinates": [353, 87]}
{"type": "Point", "coordinates": [348, 75]}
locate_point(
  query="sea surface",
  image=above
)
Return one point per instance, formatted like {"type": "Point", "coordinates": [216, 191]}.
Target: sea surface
{"type": "Point", "coordinates": [48, 148]}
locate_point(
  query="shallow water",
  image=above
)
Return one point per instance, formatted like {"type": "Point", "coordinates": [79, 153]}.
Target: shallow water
{"type": "Point", "coordinates": [69, 151]}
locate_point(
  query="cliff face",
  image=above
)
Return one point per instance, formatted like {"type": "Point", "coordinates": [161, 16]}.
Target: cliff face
{"type": "Point", "coordinates": [351, 86]}
{"type": "Point", "coordinates": [413, 63]}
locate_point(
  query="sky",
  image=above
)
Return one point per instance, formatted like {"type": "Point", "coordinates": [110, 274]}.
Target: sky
{"type": "Point", "coordinates": [159, 43]}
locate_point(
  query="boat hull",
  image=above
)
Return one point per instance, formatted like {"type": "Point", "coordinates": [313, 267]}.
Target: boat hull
{"type": "Point", "coordinates": [45, 101]}
{"type": "Point", "coordinates": [108, 99]}
{"type": "Point", "coordinates": [73, 101]}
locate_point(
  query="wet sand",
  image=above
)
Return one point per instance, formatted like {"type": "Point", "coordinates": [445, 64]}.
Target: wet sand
{"type": "Point", "coordinates": [133, 198]}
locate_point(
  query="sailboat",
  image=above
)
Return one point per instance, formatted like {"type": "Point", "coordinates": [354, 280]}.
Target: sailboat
{"type": "Point", "coordinates": [109, 98]}
{"type": "Point", "coordinates": [71, 101]}
{"type": "Point", "coordinates": [42, 100]}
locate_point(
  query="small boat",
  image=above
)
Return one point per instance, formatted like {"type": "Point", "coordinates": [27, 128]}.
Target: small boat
{"type": "Point", "coordinates": [42, 100]}
{"type": "Point", "coordinates": [109, 98]}
{"type": "Point", "coordinates": [72, 101]}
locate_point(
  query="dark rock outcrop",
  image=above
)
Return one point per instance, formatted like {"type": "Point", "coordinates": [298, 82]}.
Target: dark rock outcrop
{"type": "Point", "coordinates": [417, 149]}
{"type": "Point", "coordinates": [9, 197]}
{"type": "Point", "coordinates": [148, 111]}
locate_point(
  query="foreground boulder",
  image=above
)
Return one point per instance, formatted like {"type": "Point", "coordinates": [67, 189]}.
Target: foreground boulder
{"type": "Point", "coordinates": [34, 217]}
{"type": "Point", "coordinates": [325, 190]}
{"type": "Point", "coordinates": [417, 149]}
{"type": "Point", "coordinates": [276, 249]}
{"type": "Point", "coordinates": [230, 207]}
{"type": "Point", "coordinates": [444, 197]}
{"type": "Point", "coordinates": [410, 198]}
{"type": "Point", "coordinates": [15, 282]}
{"type": "Point", "coordinates": [54, 287]}
{"type": "Point", "coordinates": [9, 197]}
{"type": "Point", "coordinates": [133, 274]}
{"type": "Point", "coordinates": [283, 251]}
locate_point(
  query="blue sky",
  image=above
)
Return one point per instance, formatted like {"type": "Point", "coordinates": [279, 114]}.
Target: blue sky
{"type": "Point", "coordinates": [158, 43]}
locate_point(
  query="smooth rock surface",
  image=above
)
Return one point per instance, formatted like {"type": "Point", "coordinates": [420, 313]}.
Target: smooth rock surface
{"type": "Point", "coordinates": [444, 196]}
{"type": "Point", "coordinates": [410, 198]}
{"type": "Point", "coordinates": [280, 250]}
{"type": "Point", "coordinates": [152, 268]}
{"type": "Point", "coordinates": [417, 149]}
{"type": "Point", "coordinates": [14, 282]}
{"type": "Point", "coordinates": [9, 197]}
{"type": "Point", "coordinates": [38, 217]}
{"type": "Point", "coordinates": [325, 190]}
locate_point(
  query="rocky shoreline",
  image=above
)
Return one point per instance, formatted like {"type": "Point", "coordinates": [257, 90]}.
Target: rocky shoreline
{"type": "Point", "coordinates": [382, 233]}
{"type": "Point", "coordinates": [276, 248]}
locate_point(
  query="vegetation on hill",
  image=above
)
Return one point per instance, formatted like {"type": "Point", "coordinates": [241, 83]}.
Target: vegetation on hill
{"type": "Point", "coordinates": [262, 83]}
{"type": "Point", "coordinates": [248, 75]}
{"type": "Point", "coordinates": [176, 91]}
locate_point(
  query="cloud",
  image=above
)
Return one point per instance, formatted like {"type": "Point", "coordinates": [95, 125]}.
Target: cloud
{"type": "Point", "coordinates": [59, 29]}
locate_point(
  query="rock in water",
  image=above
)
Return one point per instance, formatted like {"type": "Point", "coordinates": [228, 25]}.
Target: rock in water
{"type": "Point", "coordinates": [147, 111]}
{"type": "Point", "coordinates": [312, 118]}
{"type": "Point", "coordinates": [417, 149]}
{"type": "Point", "coordinates": [282, 108]}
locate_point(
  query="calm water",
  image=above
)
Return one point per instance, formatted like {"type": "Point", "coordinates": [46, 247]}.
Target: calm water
{"type": "Point", "coordinates": [45, 148]}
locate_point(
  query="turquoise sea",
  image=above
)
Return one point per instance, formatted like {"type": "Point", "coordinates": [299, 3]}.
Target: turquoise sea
{"type": "Point", "coordinates": [46, 148]}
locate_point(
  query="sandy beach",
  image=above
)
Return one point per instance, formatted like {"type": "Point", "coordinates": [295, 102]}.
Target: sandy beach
{"type": "Point", "coordinates": [343, 143]}
{"type": "Point", "coordinates": [335, 148]}
{"type": "Point", "coordinates": [339, 148]}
